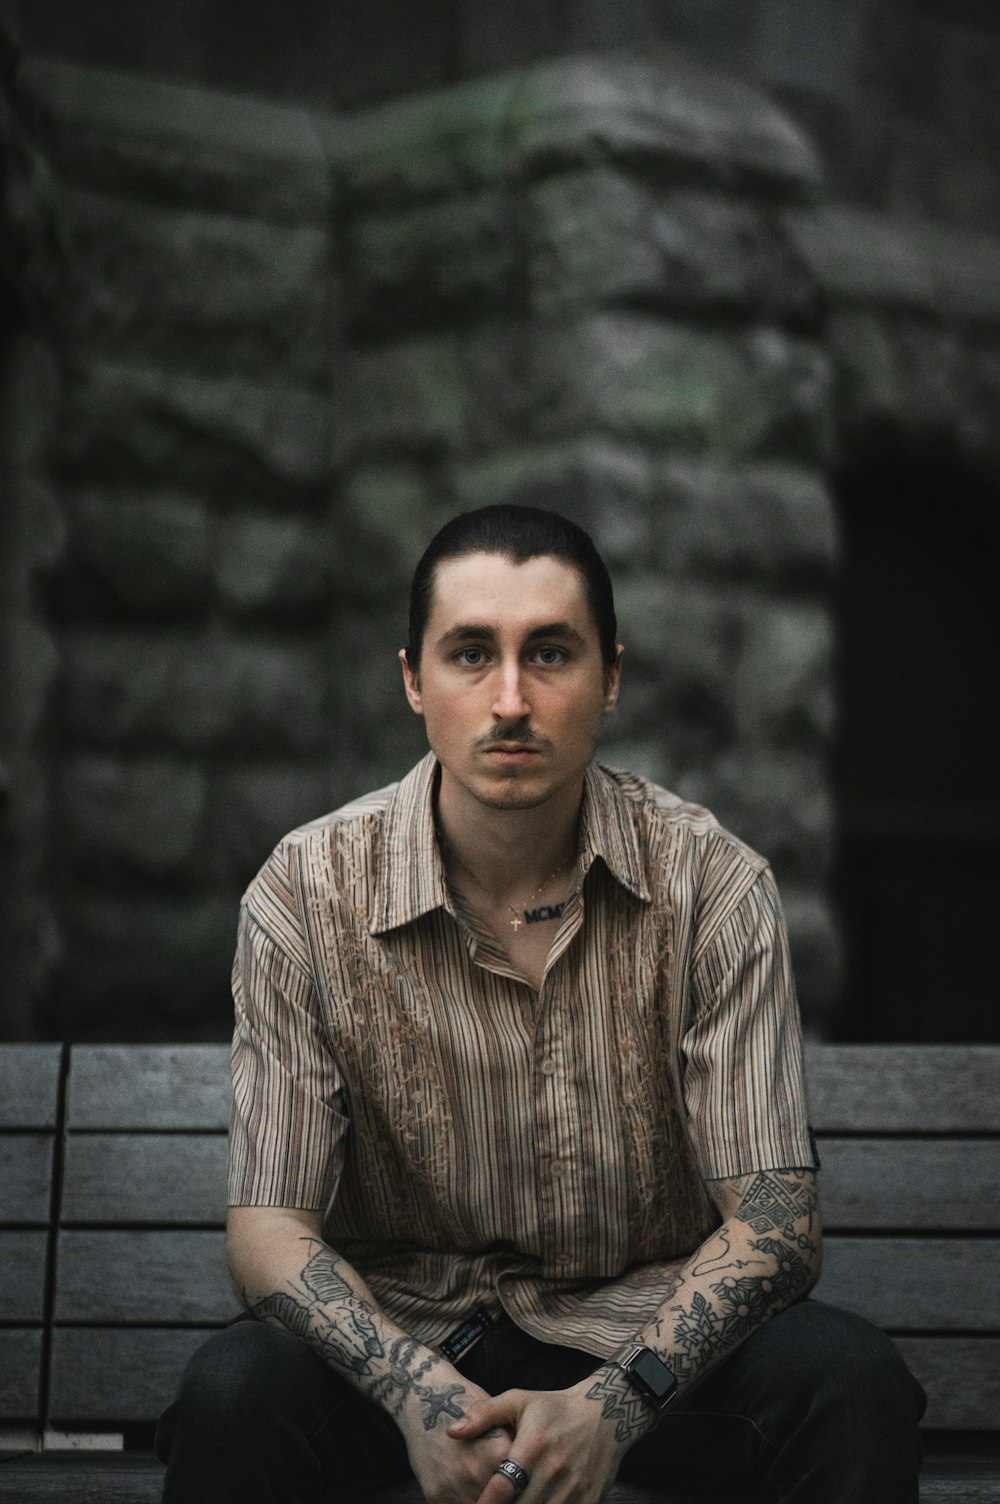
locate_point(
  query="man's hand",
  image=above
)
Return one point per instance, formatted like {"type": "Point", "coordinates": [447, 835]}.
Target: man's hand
{"type": "Point", "coordinates": [569, 1441]}
{"type": "Point", "coordinates": [449, 1470]}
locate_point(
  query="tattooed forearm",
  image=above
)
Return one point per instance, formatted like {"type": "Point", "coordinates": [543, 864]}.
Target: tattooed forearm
{"type": "Point", "coordinates": [323, 1308]}
{"type": "Point", "coordinates": [352, 1341]}
{"type": "Point", "coordinates": [764, 1256]}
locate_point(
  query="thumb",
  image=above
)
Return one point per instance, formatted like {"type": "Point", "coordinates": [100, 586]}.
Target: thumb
{"type": "Point", "coordinates": [484, 1415]}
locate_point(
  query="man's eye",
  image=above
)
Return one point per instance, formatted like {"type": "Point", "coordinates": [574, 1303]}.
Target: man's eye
{"type": "Point", "coordinates": [550, 656]}
{"type": "Point", "coordinates": [471, 657]}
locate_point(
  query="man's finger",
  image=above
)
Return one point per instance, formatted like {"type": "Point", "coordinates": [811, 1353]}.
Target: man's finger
{"type": "Point", "coordinates": [483, 1416]}
{"type": "Point", "coordinates": [499, 1490]}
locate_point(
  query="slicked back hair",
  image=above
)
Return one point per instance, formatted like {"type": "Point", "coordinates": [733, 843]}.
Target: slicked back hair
{"type": "Point", "coordinates": [517, 533]}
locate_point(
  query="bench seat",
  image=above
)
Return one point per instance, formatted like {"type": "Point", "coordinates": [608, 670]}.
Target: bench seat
{"type": "Point", "coordinates": [111, 1237]}
{"type": "Point", "coordinates": [68, 1478]}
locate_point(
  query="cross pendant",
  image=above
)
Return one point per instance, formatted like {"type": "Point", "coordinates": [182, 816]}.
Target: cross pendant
{"type": "Point", "coordinates": [516, 923]}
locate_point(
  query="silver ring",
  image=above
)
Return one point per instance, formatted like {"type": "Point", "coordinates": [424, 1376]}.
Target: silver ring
{"type": "Point", "coordinates": [518, 1475]}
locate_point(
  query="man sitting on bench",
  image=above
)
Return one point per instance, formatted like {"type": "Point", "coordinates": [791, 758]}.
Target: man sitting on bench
{"type": "Point", "coordinates": [522, 1193]}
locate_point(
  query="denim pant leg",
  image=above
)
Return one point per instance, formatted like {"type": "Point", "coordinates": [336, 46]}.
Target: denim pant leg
{"type": "Point", "coordinates": [260, 1419]}
{"type": "Point", "coordinates": [817, 1407]}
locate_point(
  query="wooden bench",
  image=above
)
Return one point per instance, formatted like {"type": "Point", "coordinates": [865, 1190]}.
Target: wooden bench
{"type": "Point", "coordinates": [111, 1211]}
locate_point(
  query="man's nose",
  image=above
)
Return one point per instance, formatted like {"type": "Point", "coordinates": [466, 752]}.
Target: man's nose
{"type": "Point", "coordinates": [509, 703]}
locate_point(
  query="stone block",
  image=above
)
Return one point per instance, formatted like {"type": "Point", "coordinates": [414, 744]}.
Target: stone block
{"type": "Point", "coordinates": [604, 487]}
{"type": "Point", "coordinates": [195, 692]}
{"type": "Point", "coordinates": [761, 394]}
{"type": "Point", "coordinates": [403, 397]}
{"type": "Point", "coordinates": [669, 117]}
{"type": "Point", "coordinates": [598, 236]}
{"type": "Point", "coordinates": [784, 675]}
{"type": "Point", "coordinates": [144, 965]}
{"type": "Point", "coordinates": [779, 802]}
{"type": "Point", "coordinates": [131, 134]}
{"type": "Point", "coordinates": [385, 517]}
{"type": "Point", "coordinates": [681, 648]}
{"type": "Point", "coordinates": [780, 402]}
{"type": "Point", "coordinates": [630, 376]}
{"type": "Point", "coordinates": [141, 815]}
{"type": "Point", "coordinates": [250, 808]}
{"type": "Point", "coordinates": [205, 290]}
{"type": "Point", "coordinates": [129, 422]}
{"type": "Point", "coordinates": [452, 259]}
{"type": "Point", "coordinates": [761, 522]}
{"type": "Point", "coordinates": [279, 567]}
{"type": "Point", "coordinates": [147, 554]}
{"type": "Point", "coordinates": [903, 371]}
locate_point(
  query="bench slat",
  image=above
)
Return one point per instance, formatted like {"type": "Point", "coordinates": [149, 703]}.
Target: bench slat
{"type": "Point", "coordinates": [148, 1277]}
{"type": "Point", "coordinates": [183, 1086]}
{"type": "Point", "coordinates": [29, 1085]}
{"type": "Point", "coordinates": [920, 1088]}
{"type": "Point", "coordinates": [145, 1177]}
{"type": "Point", "coordinates": [927, 1184]}
{"type": "Point", "coordinates": [22, 1285]}
{"type": "Point", "coordinates": [962, 1379]}
{"type": "Point", "coordinates": [25, 1177]}
{"type": "Point", "coordinates": [915, 1283]}
{"type": "Point", "coordinates": [20, 1367]}
{"type": "Point", "coordinates": [111, 1376]}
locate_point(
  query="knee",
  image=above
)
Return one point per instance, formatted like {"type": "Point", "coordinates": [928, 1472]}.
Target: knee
{"type": "Point", "coordinates": [240, 1378]}
{"type": "Point", "coordinates": [842, 1361]}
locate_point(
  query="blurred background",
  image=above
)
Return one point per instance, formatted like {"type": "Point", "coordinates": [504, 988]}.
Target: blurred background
{"type": "Point", "coordinates": [283, 286]}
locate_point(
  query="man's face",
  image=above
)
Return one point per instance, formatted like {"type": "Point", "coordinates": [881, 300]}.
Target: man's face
{"type": "Point", "coordinates": [511, 683]}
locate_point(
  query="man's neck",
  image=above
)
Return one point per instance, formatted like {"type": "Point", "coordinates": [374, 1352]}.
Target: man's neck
{"type": "Point", "coordinates": [508, 853]}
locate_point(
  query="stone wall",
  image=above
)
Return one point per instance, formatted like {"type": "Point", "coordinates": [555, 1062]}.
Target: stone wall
{"type": "Point", "coordinates": [191, 463]}
{"type": "Point", "coordinates": [291, 347]}
{"type": "Point", "coordinates": [899, 96]}
{"type": "Point", "coordinates": [290, 354]}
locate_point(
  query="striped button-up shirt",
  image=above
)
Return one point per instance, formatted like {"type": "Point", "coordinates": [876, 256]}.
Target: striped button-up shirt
{"type": "Point", "coordinates": [473, 1143]}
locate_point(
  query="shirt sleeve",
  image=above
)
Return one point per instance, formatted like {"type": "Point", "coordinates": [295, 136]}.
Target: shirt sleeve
{"type": "Point", "coordinates": [743, 1080]}
{"type": "Point", "coordinates": [288, 1129]}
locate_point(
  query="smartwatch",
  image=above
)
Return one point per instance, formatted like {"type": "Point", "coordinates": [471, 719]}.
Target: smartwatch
{"type": "Point", "coordinates": [649, 1375]}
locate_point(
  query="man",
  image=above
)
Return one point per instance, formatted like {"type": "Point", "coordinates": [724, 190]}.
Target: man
{"type": "Point", "coordinates": [522, 1193]}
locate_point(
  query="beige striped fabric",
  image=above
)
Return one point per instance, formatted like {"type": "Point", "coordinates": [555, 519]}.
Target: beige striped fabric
{"type": "Point", "coordinates": [473, 1143]}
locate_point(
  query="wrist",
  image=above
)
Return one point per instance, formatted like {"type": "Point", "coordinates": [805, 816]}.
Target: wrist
{"type": "Point", "coordinates": [649, 1377]}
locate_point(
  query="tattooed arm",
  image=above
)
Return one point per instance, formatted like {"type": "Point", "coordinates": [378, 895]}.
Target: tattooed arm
{"type": "Point", "coordinates": [288, 1276]}
{"type": "Point", "coordinates": [764, 1256]}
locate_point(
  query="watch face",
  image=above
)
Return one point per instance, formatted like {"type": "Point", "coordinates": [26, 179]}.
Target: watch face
{"type": "Point", "coordinates": [653, 1374]}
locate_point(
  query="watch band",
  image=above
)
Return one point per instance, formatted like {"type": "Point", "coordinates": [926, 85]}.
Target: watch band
{"type": "Point", "coordinates": [649, 1376]}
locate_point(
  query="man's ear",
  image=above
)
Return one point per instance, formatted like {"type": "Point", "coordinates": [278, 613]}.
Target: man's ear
{"type": "Point", "coordinates": [613, 680]}
{"type": "Point", "coordinates": [411, 683]}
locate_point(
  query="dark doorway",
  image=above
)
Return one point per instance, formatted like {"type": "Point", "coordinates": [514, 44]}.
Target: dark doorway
{"type": "Point", "coordinates": [918, 875]}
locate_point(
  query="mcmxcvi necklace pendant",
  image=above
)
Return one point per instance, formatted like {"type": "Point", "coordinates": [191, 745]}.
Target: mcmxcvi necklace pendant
{"type": "Point", "coordinates": [539, 914]}
{"type": "Point", "coordinates": [535, 915]}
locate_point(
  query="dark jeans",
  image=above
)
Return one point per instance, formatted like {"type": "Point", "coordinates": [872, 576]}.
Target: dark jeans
{"type": "Point", "coordinates": [815, 1408]}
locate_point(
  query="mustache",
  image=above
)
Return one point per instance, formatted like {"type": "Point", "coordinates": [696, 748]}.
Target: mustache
{"type": "Point", "coordinates": [517, 734]}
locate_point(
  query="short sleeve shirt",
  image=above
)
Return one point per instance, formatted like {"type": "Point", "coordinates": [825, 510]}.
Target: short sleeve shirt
{"type": "Point", "coordinates": [471, 1142]}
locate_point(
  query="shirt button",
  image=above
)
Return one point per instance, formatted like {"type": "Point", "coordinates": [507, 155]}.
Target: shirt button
{"type": "Point", "coordinates": [562, 1259]}
{"type": "Point", "coordinates": [558, 1168]}
{"type": "Point", "coordinates": [549, 1067]}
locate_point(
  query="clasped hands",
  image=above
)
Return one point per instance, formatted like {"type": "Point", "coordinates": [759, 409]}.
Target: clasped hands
{"type": "Point", "coordinates": [562, 1439]}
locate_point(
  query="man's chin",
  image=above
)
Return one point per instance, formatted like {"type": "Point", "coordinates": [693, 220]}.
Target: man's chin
{"type": "Point", "coordinates": [511, 797]}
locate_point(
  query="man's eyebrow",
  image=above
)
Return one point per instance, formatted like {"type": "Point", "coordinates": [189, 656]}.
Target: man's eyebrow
{"type": "Point", "coordinates": [466, 632]}
{"type": "Point", "coordinates": [556, 629]}
{"type": "Point", "coordinates": [474, 631]}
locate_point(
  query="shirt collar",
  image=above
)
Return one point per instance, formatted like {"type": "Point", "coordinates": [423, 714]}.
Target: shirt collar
{"type": "Point", "coordinates": [410, 880]}
{"type": "Point", "coordinates": [609, 829]}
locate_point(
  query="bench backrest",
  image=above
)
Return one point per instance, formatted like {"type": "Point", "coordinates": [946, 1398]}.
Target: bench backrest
{"type": "Point", "coordinates": [125, 1145]}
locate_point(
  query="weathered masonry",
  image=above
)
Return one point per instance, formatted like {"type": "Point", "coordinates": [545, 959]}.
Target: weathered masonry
{"type": "Point", "coordinates": [280, 348]}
